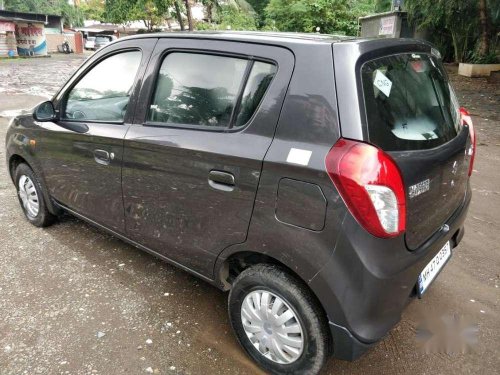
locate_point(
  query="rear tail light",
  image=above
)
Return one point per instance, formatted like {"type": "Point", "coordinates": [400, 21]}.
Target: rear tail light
{"type": "Point", "coordinates": [370, 184]}
{"type": "Point", "coordinates": [467, 120]}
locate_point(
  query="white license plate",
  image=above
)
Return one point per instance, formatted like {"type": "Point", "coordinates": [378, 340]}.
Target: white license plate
{"type": "Point", "coordinates": [432, 269]}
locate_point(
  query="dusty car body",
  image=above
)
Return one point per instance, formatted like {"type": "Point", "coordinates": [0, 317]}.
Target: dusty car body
{"type": "Point", "coordinates": [338, 216]}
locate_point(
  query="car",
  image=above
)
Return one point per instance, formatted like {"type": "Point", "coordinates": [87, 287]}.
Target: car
{"type": "Point", "coordinates": [102, 40]}
{"type": "Point", "coordinates": [323, 181]}
{"type": "Point", "coordinates": [90, 43]}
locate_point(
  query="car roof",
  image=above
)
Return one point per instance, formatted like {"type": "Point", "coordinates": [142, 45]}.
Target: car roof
{"type": "Point", "coordinates": [251, 36]}
{"type": "Point", "coordinates": [286, 39]}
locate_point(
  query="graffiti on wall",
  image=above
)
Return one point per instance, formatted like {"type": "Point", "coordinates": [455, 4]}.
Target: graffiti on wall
{"type": "Point", "coordinates": [31, 39]}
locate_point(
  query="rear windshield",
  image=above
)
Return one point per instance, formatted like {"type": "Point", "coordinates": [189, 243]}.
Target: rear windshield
{"type": "Point", "coordinates": [409, 102]}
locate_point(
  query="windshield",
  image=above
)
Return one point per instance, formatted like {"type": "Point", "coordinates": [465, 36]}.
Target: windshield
{"type": "Point", "coordinates": [409, 102]}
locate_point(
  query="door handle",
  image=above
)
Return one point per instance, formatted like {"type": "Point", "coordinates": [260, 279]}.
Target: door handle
{"type": "Point", "coordinates": [103, 157]}
{"type": "Point", "coordinates": [221, 180]}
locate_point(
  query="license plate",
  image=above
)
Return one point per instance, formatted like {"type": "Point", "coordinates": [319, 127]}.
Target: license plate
{"type": "Point", "coordinates": [432, 269]}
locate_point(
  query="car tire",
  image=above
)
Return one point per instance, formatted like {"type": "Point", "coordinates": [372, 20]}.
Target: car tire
{"type": "Point", "coordinates": [292, 294]}
{"type": "Point", "coordinates": [29, 192]}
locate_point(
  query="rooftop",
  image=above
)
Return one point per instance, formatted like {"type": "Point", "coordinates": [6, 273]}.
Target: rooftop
{"type": "Point", "coordinates": [250, 36]}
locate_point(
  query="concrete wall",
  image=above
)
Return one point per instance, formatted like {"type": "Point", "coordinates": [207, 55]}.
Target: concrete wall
{"type": "Point", "coordinates": [477, 70]}
{"type": "Point", "coordinates": [54, 40]}
{"type": "Point", "coordinates": [386, 25]}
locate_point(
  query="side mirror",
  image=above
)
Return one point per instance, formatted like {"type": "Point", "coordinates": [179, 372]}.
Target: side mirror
{"type": "Point", "coordinates": [45, 112]}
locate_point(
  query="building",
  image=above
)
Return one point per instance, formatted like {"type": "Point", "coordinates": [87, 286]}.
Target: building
{"type": "Point", "coordinates": [29, 34]}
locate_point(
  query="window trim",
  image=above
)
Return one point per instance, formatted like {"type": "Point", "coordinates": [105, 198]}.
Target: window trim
{"type": "Point", "coordinates": [222, 129]}
{"type": "Point", "coordinates": [64, 98]}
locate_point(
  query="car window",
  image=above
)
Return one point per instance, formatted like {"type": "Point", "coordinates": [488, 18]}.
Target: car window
{"type": "Point", "coordinates": [104, 92]}
{"type": "Point", "coordinates": [409, 102]}
{"type": "Point", "coordinates": [102, 39]}
{"type": "Point", "coordinates": [260, 77]}
{"type": "Point", "coordinates": [197, 89]}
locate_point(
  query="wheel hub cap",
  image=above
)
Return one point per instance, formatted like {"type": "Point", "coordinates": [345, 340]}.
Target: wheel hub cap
{"type": "Point", "coordinates": [28, 196]}
{"type": "Point", "coordinates": [272, 326]}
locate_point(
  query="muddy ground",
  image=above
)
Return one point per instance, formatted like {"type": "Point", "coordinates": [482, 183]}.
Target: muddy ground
{"type": "Point", "coordinates": [74, 300]}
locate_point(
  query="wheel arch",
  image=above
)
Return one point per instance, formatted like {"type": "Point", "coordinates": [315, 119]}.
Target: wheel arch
{"type": "Point", "coordinates": [229, 268]}
{"type": "Point", "coordinates": [14, 161]}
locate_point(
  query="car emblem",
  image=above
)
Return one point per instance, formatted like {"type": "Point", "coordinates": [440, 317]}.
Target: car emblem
{"type": "Point", "coordinates": [417, 189]}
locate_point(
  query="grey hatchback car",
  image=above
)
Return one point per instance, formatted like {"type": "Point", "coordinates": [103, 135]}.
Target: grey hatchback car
{"type": "Point", "coordinates": [322, 181]}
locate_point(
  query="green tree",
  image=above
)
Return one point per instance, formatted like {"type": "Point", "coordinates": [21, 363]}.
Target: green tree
{"type": "Point", "coordinates": [259, 7]}
{"type": "Point", "coordinates": [72, 16]}
{"type": "Point", "coordinates": [383, 5]}
{"type": "Point", "coordinates": [456, 17]}
{"type": "Point", "coordinates": [119, 11]}
{"type": "Point", "coordinates": [331, 16]}
{"type": "Point", "coordinates": [187, 4]}
{"type": "Point", "coordinates": [150, 12]}
{"type": "Point", "coordinates": [229, 16]}
{"type": "Point", "coordinates": [93, 9]}
{"type": "Point", "coordinates": [178, 13]}
{"type": "Point", "coordinates": [211, 7]}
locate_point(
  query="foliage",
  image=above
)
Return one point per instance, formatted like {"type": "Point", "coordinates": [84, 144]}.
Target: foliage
{"type": "Point", "coordinates": [72, 15]}
{"type": "Point", "coordinates": [331, 16]}
{"type": "Point", "coordinates": [458, 20]}
{"type": "Point", "coordinates": [383, 5]}
{"type": "Point", "coordinates": [93, 9]}
{"type": "Point", "coordinates": [119, 11]}
{"type": "Point", "coordinates": [475, 58]}
{"type": "Point", "coordinates": [233, 18]}
{"type": "Point", "coordinates": [151, 12]}
{"type": "Point", "coordinates": [228, 17]}
{"type": "Point", "coordinates": [259, 7]}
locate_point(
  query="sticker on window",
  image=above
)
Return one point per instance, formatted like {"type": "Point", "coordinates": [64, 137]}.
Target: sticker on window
{"type": "Point", "coordinates": [383, 83]}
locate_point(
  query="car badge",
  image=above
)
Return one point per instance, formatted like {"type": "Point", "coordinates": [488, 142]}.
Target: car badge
{"type": "Point", "coordinates": [420, 188]}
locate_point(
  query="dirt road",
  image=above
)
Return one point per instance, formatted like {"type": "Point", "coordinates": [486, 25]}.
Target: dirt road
{"type": "Point", "coordinates": [74, 300]}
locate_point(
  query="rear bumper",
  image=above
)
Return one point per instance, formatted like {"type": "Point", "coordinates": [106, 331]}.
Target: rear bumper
{"type": "Point", "coordinates": [368, 281]}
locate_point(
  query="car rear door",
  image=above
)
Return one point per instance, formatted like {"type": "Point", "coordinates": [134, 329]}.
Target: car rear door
{"type": "Point", "coordinates": [81, 154]}
{"type": "Point", "coordinates": [192, 160]}
{"type": "Point", "coordinates": [408, 109]}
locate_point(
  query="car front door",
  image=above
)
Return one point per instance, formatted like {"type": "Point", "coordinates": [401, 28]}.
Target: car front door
{"type": "Point", "coordinates": [193, 160]}
{"type": "Point", "coordinates": [81, 153]}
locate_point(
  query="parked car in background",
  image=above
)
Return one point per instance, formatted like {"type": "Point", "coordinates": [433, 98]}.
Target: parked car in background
{"type": "Point", "coordinates": [324, 199]}
{"type": "Point", "coordinates": [90, 43]}
{"type": "Point", "coordinates": [103, 40]}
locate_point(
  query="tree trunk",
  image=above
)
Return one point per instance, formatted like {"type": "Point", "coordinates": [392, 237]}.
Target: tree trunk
{"type": "Point", "coordinates": [189, 16]}
{"type": "Point", "coordinates": [209, 12]}
{"type": "Point", "coordinates": [179, 14]}
{"type": "Point", "coordinates": [456, 56]}
{"type": "Point", "coordinates": [484, 39]}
